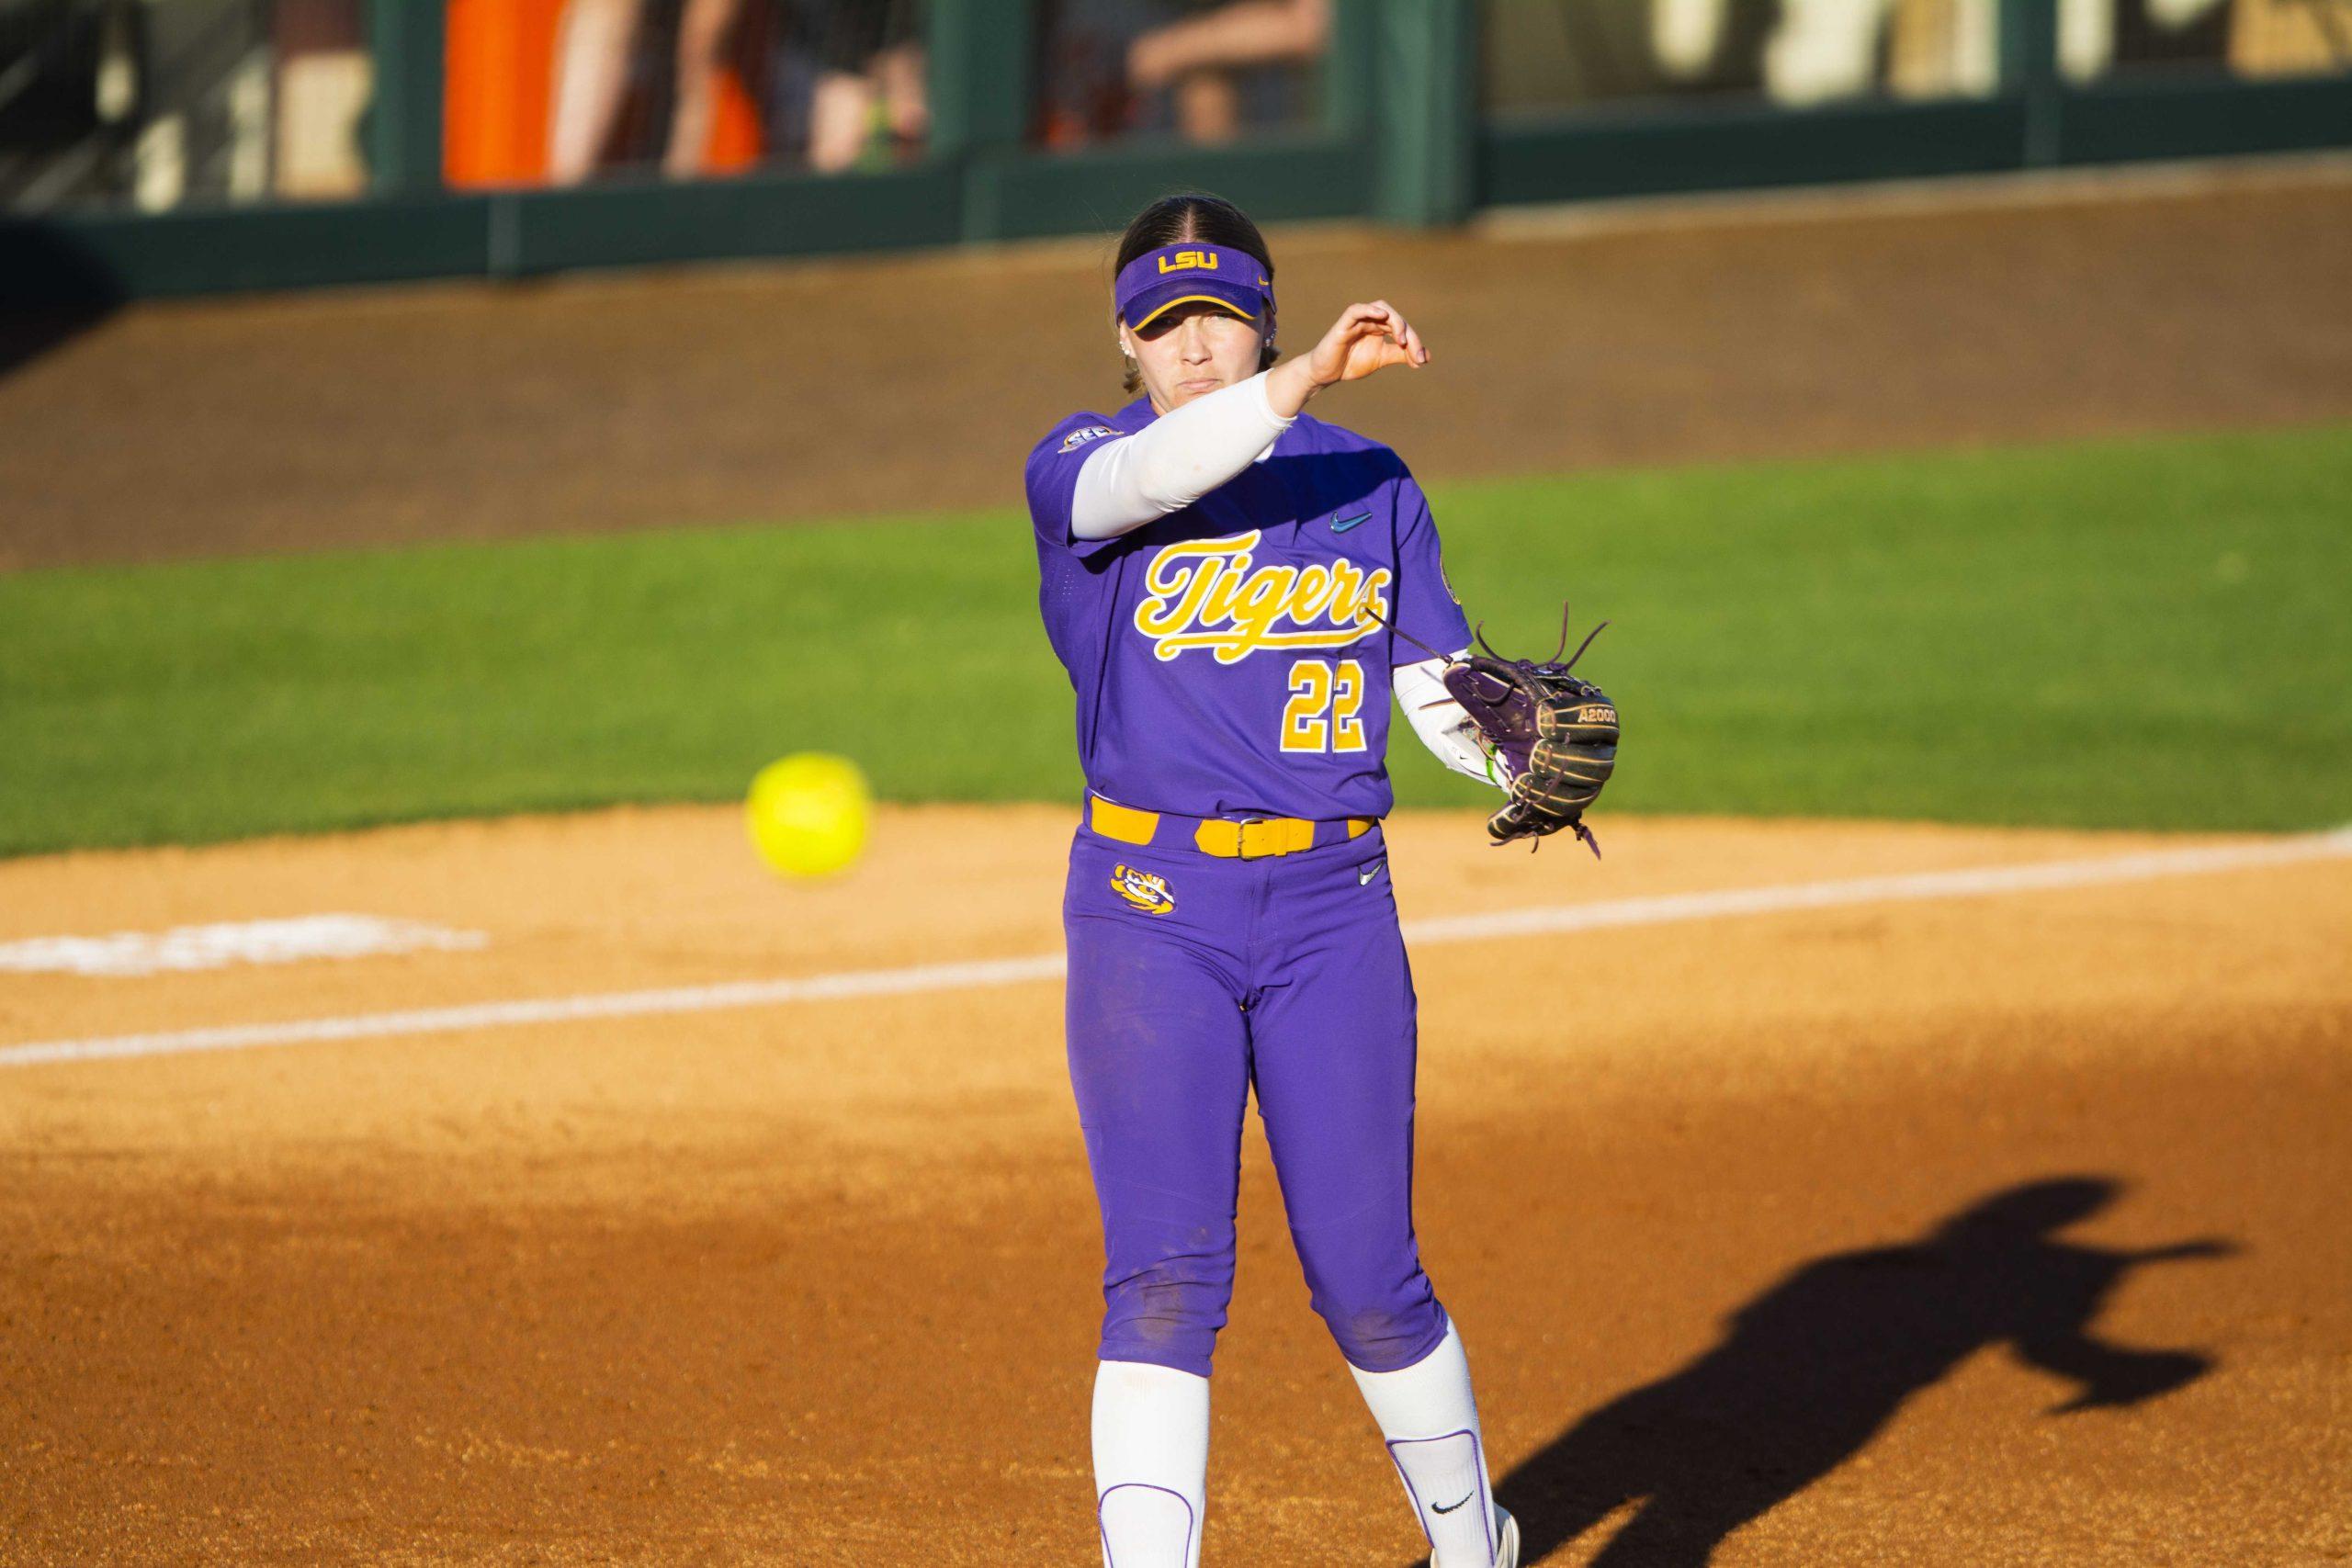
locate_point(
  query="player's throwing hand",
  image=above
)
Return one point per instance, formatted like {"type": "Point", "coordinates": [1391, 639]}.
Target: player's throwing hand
{"type": "Point", "coordinates": [1367, 338]}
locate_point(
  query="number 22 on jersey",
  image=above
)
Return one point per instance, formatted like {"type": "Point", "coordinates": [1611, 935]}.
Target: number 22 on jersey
{"type": "Point", "coordinates": [1324, 710]}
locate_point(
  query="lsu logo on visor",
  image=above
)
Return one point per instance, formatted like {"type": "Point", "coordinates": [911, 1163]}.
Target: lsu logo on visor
{"type": "Point", "coordinates": [1145, 890]}
{"type": "Point", "coordinates": [1207, 594]}
{"type": "Point", "coordinates": [1184, 261]}
{"type": "Point", "coordinates": [1084, 433]}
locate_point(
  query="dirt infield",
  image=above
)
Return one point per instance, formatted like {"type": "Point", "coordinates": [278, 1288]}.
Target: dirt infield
{"type": "Point", "coordinates": [2025, 309]}
{"type": "Point", "coordinates": [814, 1282]}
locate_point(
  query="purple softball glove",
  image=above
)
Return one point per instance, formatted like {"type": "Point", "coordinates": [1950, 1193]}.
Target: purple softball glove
{"type": "Point", "coordinates": [1554, 734]}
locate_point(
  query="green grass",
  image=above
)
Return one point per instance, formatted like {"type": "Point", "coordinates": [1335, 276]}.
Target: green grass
{"type": "Point", "coordinates": [2148, 633]}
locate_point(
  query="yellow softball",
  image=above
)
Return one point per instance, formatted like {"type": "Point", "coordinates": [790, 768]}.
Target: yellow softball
{"type": "Point", "coordinates": [808, 814]}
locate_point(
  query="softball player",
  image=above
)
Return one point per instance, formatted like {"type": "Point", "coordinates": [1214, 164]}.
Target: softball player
{"type": "Point", "coordinates": [1236, 588]}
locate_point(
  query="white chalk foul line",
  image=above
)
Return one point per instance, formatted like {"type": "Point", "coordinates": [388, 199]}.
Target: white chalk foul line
{"type": "Point", "coordinates": [548, 1010]}
{"type": "Point", "coordinates": [2037, 876]}
{"type": "Point", "coordinates": [917, 979]}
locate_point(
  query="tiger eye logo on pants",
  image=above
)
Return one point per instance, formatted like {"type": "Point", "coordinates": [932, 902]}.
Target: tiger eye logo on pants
{"type": "Point", "coordinates": [1144, 890]}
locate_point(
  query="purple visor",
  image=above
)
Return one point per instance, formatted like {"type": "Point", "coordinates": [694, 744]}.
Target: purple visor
{"type": "Point", "coordinates": [1157, 281]}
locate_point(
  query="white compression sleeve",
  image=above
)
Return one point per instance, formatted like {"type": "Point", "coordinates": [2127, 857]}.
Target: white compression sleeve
{"type": "Point", "coordinates": [1173, 461]}
{"type": "Point", "coordinates": [1445, 727]}
{"type": "Point", "coordinates": [1151, 1464]}
{"type": "Point", "coordinates": [1430, 1417]}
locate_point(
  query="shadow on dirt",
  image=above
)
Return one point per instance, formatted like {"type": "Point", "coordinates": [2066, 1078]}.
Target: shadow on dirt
{"type": "Point", "coordinates": [53, 288]}
{"type": "Point", "coordinates": [1809, 1371]}
{"type": "Point", "coordinates": [27, 335]}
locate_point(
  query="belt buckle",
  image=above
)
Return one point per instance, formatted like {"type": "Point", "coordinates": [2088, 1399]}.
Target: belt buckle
{"type": "Point", "coordinates": [1241, 839]}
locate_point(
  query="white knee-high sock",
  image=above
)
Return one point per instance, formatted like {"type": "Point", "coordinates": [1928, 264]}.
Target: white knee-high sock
{"type": "Point", "coordinates": [1151, 1463]}
{"type": "Point", "coordinates": [1430, 1417]}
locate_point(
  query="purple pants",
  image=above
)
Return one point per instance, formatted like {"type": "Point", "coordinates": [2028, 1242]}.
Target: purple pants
{"type": "Point", "coordinates": [1192, 980]}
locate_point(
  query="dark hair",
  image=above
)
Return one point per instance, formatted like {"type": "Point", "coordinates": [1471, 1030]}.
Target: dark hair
{"type": "Point", "coordinates": [1194, 215]}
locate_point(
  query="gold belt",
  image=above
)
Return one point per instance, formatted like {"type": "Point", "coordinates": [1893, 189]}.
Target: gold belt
{"type": "Point", "coordinates": [1251, 838]}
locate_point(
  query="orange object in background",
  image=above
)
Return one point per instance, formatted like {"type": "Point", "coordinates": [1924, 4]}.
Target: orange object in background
{"type": "Point", "coordinates": [499, 93]}
{"type": "Point", "coordinates": [500, 66]}
{"type": "Point", "coordinates": [737, 138]}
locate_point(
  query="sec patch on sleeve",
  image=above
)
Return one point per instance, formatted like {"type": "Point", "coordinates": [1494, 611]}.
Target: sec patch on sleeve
{"type": "Point", "coordinates": [1084, 433]}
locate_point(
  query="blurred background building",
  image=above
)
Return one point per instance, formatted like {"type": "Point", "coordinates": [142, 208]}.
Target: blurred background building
{"type": "Point", "coordinates": [1009, 117]}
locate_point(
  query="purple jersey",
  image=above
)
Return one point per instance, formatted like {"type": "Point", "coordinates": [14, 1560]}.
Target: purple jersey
{"type": "Point", "coordinates": [1231, 660]}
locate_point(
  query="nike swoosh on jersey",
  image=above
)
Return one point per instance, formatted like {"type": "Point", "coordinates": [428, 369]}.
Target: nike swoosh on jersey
{"type": "Point", "coordinates": [1341, 525]}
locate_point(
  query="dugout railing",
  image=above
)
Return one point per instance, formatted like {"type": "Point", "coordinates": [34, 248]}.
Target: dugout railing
{"type": "Point", "coordinates": [1400, 131]}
